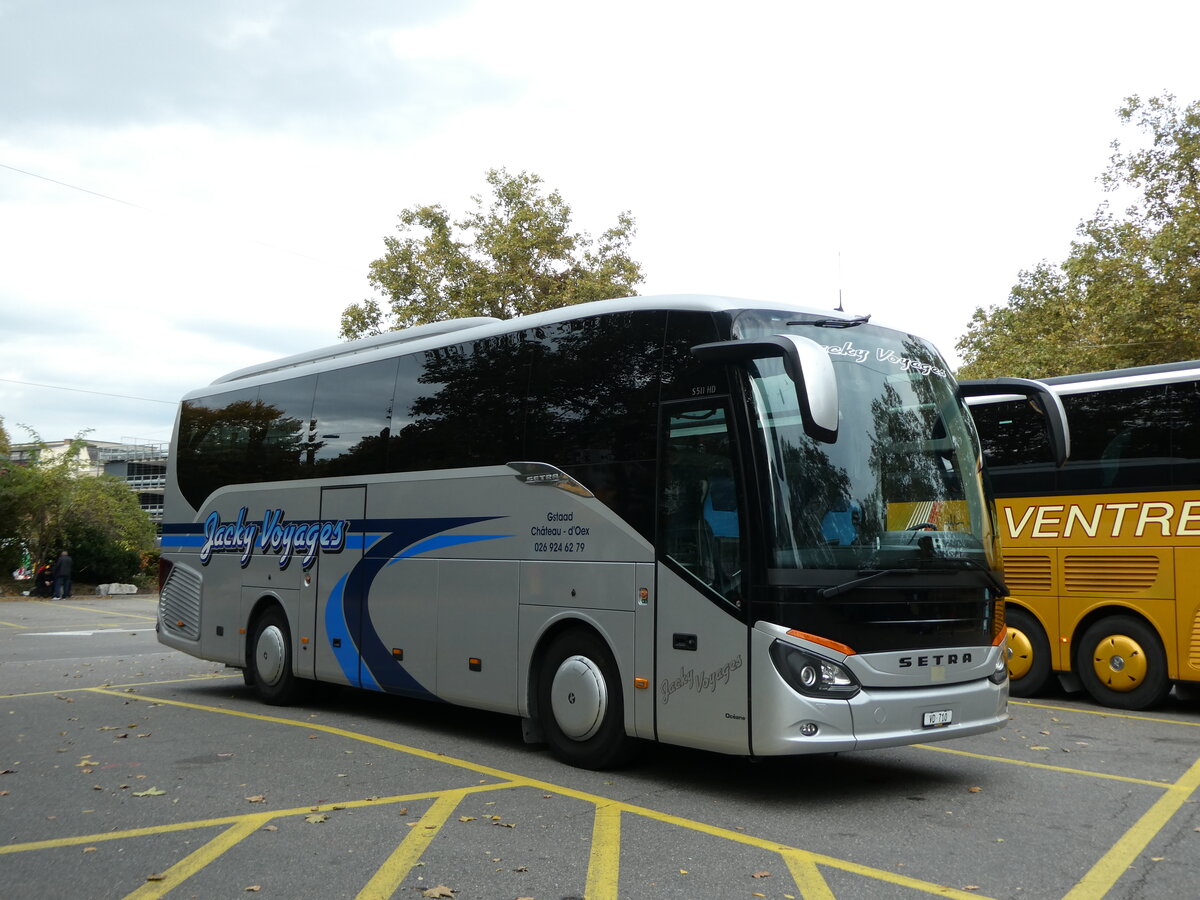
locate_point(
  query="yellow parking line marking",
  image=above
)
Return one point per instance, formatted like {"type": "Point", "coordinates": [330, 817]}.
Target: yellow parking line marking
{"type": "Point", "coordinates": [196, 824]}
{"type": "Point", "coordinates": [194, 862]}
{"type": "Point", "coordinates": [1105, 713]}
{"type": "Point", "coordinates": [135, 684]}
{"type": "Point", "coordinates": [604, 864]}
{"type": "Point", "coordinates": [510, 780]}
{"type": "Point", "coordinates": [1046, 766]}
{"type": "Point", "coordinates": [807, 876]}
{"type": "Point", "coordinates": [388, 877]}
{"type": "Point", "coordinates": [15, 625]}
{"type": "Point", "coordinates": [327, 729]}
{"type": "Point", "coordinates": [1105, 873]}
{"type": "Point", "coordinates": [91, 609]}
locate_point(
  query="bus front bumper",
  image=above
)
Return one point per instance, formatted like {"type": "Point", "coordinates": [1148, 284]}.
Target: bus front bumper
{"type": "Point", "coordinates": [875, 718]}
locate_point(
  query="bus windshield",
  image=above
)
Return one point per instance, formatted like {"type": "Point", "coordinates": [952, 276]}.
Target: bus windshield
{"type": "Point", "coordinates": [900, 488]}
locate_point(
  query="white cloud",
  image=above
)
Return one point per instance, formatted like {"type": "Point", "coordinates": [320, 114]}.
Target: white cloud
{"type": "Point", "coordinates": [913, 157]}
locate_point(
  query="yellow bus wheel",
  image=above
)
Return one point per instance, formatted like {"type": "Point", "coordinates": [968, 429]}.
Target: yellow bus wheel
{"type": "Point", "coordinates": [1028, 653]}
{"type": "Point", "coordinates": [1122, 664]}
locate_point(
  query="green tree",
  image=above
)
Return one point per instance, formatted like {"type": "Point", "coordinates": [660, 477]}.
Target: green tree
{"type": "Point", "coordinates": [518, 255]}
{"type": "Point", "coordinates": [1128, 293]}
{"type": "Point", "coordinates": [47, 505]}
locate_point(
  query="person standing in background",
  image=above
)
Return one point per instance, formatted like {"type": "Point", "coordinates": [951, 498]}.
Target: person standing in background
{"type": "Point", "coordinates": [62, 576]}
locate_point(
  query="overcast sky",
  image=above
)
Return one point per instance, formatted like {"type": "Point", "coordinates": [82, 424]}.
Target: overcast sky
{"type": "Point", "coordinates": [188, 188]}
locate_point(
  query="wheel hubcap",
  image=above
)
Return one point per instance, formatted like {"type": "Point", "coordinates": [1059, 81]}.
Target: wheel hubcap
{"type": "Point", "coordinates": [1119, 663]}
{"type": "Point", "coordinates": [1020, 654]}
{"type": "Point", "coordinates": [269, 655]}
{"type": "Point", "coordinates": [578, 697]}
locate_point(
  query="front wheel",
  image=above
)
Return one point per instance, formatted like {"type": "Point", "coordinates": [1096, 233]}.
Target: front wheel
{"type": "Point", "coordinates": [1122, 664]}
{"type": "Point", "coordinates": [271, 660]}
{"type": "Point", "coordinates": [1028, 653]}
{"type": "Point", "coordinates": [580, 703]}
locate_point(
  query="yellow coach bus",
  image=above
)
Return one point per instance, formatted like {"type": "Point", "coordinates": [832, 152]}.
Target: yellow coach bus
{"type": "Point", "coordinates": [1102, 554]}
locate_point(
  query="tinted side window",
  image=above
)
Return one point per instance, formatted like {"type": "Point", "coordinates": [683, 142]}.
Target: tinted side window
{"type": "Point", "coordinates": [684, 376]}
{"type": "Point", "coordinates": [1120, 439]}
{"type": "Point", "coordinates": [593, 406]}
{"type": "Point", "coordinates": [214, 439]}
{"type": "Point", "coordinates": [349, 425]}
{"type": "Point", "coordinates": [284, 452]}
{"type": "Point", "coordinates": [1185, 439]}
{"type": "Point", "coordinates": [461, 405]}
{"type": "Point", "coordinates": [1016, 447]}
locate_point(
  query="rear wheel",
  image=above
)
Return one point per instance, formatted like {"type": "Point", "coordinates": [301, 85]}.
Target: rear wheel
{"type": "Point", "coordinates": [271, 660]}
{"type": "Point", "coordinates": [1122, 664]}
{"type": "Point", "coordinates": [1028, 653]}
{"type": "Point", "coordinates": [580, 703]}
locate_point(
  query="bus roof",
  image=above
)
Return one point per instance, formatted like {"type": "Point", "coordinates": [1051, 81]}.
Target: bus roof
{"type": "Point", "coordinates": [438, 334]}
{"type": "Point", "coordinates": [1166, 373]}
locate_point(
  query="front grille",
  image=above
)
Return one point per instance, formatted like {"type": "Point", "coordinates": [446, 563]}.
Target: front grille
{"type": "Point", "coordinates": [889, 619]}
{"type": "Point", "coordinates": [1028, 574]}
{"type": "Point", "coordinates": [1110, 574]}
{"type": "Point", "coordinates": [179, 602]}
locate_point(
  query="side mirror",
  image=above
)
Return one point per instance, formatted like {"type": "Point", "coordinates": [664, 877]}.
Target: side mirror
{"type": "Point", "coordinates": [806, 363]}
{"type": "Point", "coordinates": [1048, 402]}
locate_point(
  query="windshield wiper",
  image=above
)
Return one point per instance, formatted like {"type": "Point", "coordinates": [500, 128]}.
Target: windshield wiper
{"type": "Point", "coordinates": [926, 566]}
{"type": "Point", "coordinates": [835, 323]}
{"type": "Point", "coordinates": [871, 576]}
{"type": "Point", "coordinates": [959, 561]}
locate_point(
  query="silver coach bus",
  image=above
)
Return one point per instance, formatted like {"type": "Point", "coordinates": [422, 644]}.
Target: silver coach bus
{"type": "Point", "coordinates": [753, 529]}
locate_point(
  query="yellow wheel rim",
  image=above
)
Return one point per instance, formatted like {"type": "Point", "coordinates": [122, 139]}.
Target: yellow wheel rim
{"type": "Point", "coordinates": [1119, 663]}
{"type": "Point", "coordinates": [1020, 654]}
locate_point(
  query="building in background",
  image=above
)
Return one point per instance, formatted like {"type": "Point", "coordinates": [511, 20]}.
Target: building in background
{"type": "Point", "coordinates": [141, 464]}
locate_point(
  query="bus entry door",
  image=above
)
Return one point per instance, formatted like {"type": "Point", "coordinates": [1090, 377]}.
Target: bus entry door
{"type": "Point", "coordinates": [331, 604]}
{"type": "Point", "coordinates": [702, 671]}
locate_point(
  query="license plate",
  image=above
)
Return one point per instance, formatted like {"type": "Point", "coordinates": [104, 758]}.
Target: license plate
{"type": "Point", "coordinates": [936, 719]}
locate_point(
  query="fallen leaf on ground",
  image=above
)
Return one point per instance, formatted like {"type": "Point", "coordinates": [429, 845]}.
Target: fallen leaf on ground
{"type": "Point", "coordinates": [440, 891]}
{"type": "Point", "coordinates": [317, 819]}
{"type": "Point", "coordinates": [270, 828]}
{"type": "Point", "coordinates": [257, 798]}
{"type": "Point", "coordinates": [149, 792]}
{"type": "Point", "coordinates": [761, 875]}
{"type": "Point", "coordinates": [466, 818]}
{"type": "Point", "coordinates": [155, 877]}
{"type": "Point", "coordinates": [975, 790]}
{"type": "Point", "coordinates": [254, 887]}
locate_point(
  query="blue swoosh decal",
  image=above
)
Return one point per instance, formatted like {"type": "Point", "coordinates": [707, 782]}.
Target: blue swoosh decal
{"type": "Point", "coordinates": [379, 669]}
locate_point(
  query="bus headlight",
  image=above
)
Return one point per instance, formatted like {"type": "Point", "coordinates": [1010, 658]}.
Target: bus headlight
{"type": "Point", "coordinates": [1000, 675]}
{"type": "Point", "coordinates": [813, 675]}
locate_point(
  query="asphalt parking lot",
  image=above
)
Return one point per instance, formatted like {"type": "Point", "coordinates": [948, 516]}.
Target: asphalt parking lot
{"type": "Point", "coordinates": [133, 771]}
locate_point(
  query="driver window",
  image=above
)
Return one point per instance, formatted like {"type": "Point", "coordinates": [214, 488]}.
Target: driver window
{"type": "Point", "coordinates": [701, 516]}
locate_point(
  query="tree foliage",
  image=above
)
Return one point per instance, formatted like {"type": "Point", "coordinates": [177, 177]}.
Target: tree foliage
{"type": "Point", "coordinates": [47, 506]}
{"type": "Point", "coordinates": [518, 255]}
{"type": "Point", "coordinates": [1128, 293]}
